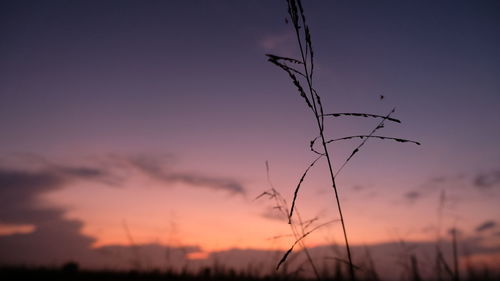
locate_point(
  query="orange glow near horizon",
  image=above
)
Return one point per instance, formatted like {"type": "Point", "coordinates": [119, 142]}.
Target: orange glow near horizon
{"type": "Point", "coordinates": [180, 215]}
{"type": "Point", "coordinates": [9, 229]}
{"type": "Point", "coordinates": [197, 255]}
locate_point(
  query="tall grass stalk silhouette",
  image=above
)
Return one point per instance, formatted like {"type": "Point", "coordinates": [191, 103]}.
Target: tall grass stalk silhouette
{"type": "Point", "coordinates": [301, 72]}
{"type": "Point", "coordinates": [300, 229]}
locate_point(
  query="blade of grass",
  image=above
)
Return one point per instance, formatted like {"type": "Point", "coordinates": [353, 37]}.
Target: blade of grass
{"type": "Point", "coordinates": [362, 115]}
{"type": "Point", "coordinates": [289, 251]}
{"type": "Point", "coordinates": [298, 187]}
{"type": "Point", "coordinates": [373, 136]}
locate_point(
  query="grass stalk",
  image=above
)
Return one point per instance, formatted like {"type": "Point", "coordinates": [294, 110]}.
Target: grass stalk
{"type": "Point", "coordinates": [313, 101]}
{"type": "Point", "coordinates": [456, 276]}
{"type": "Point", "coordinates": [317, 107]}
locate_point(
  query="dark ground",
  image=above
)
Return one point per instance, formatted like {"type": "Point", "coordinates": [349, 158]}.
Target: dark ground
{"type": "Point", "coordinates": [70, 271]}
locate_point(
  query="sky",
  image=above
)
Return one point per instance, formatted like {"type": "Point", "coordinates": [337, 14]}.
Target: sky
{"type": "Point", "coordinates": [148, 124]}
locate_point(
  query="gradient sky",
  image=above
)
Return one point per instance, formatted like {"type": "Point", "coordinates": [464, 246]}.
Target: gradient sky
{"type": "Point", "coordinates": [152, 121]}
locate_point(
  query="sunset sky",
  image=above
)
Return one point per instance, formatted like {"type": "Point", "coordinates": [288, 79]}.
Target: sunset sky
{"type": "Point", "coordinates": [150, 122]}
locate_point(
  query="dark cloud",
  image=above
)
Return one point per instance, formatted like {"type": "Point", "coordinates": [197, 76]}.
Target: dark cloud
{"type": "Point", "coordinates": [84, 172]}
{"type": "Point", "coordinates": [481, 181]}
{"type": "Point", "coordinates": [210, 182]}
{"type": "Point", "coordinates": [434, 185]}
{"type": "Point", "coordinates": [435, 182]}
{"type": "Point", "coordinates": [427, 188]}
{"type": "Point", "coordinates": [19, 192]}
{"type": "Point", "coordinates": [21, 189]}
{"type": "Point", "coordinates": [19, 196]}
{"type": "Point", "coordinates": [487, 180]}
{"type": "Point", "coordinates": [359, 187]}
{"type": "Point", "coordinates": [486, 225]}
{"type": "Point", "coordinates": [412, 195]}
{"type": "Point", "coordinates": [12, 179]}
{"type": "Point", "coordinates": [158, 170]}
{"type": "Point", "coordinates": [56, 239]}
{"type": "Point", "coordinates": [104, 174]}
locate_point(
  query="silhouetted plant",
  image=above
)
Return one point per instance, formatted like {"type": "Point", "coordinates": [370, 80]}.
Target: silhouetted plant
{"type": "Point", "coordinates": [301, 70]}
{"type": "Point", "coordinates": [300, 229]}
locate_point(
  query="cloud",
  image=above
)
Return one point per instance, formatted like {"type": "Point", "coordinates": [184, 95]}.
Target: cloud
{"type": "Point", "coordinates": [487, 180]}
{"type": "Point", "coordinates": [427, 188]}
{"type": "Point", "coordinates": [155, 168]}
{"type": "Point", "coordinates": [23, 184]}
{"type": "Point", "coordinates": [486, 225]}
{"type": "Point", "coordinates": [56, 239]}
{"type": "Point", "coordinates": [437, 184]}
{"type": "Point", "coordinates": [359, 187]}
{"type": "Point", "coordinates": [20, 191]}
{"type": "Point", "coordinates": [83, 172]}
{"type": "Point", "coordinates": [412, 195]}
{"type": "Point", "coordinates": [21, 188]}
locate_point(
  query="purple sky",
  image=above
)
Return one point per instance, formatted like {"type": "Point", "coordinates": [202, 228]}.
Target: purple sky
{"type": "Point", "coordinates": [171, 107]}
